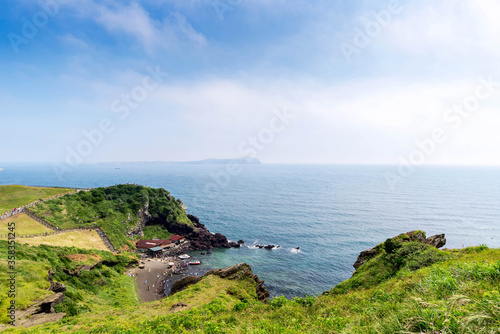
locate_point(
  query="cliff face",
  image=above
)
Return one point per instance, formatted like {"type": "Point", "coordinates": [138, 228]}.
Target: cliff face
{"type": "Point", "coordinates": [144, 218]}
{"type": "Point", "coordinates": [199, 236]}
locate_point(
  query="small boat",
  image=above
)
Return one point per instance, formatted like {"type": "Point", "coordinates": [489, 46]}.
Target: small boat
{"type": "Point", "coordinates": [194, 263]}
{"type": "Point", "coordinates": [184, 257]}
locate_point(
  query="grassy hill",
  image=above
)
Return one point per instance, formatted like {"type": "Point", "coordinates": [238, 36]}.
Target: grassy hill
{"type": "Point", "coordinates": [79, 239]}
{"type": "Point", "coordinates": [16, 196]}
{"type": "Point", "coordinates": [24, 225]}
{"type": "Point", "coordinates": [457, 291]}
{"type": "Point", "coordinates": [406, 287]}
{"type": "Point", "coordinates": [83, 295]}
{"type": "Point", "coordinates": [114, 209]}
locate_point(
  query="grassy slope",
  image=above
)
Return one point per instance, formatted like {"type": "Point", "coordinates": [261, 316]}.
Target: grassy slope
{"type": "Point", "coordinates": [78, 239]}
{"type": "Point", "coordinates": [114, 209]}
{"type": "Point", "coordinates": [457, 294]}
{"type": "Point", "coordinates": [16, 196]}
{"type": "Point", "coordinates": [23, 225]}
{"type": "Point", "coordinates": [82, 295]}
{"type": "Point", "coordinates": [156, 232]}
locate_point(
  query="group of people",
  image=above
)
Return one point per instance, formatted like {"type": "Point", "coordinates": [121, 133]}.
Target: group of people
{"type": "Point", "coordinates": [12, 212]}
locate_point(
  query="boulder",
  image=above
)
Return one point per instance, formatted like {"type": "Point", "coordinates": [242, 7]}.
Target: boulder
{"type": "Point", "coordinates": [437, 241]}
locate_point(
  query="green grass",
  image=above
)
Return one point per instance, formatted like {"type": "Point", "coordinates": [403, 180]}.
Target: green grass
{"type": "Point", "coordinates": [456, 292]}
{"type": "Point", "coordinates": [114, 209]}
{"type": "Point", "coordinates": [16, 196]}
{"type": "Point", "coordinates": [80, 239]}
{"type": "Point", "coordinates": [83, 294]}
{"type": "Point", "coordinates": [156, 232]}
{"type": "Point", "coordinates": [23, 225]}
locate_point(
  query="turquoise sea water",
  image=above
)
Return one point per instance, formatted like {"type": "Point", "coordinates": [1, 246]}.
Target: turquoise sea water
{"type": "Point", "coordinates": [331, 212]}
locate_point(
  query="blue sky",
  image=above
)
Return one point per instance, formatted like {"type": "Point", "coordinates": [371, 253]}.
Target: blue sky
{"type": "Point", "coordinates": [234, 65]}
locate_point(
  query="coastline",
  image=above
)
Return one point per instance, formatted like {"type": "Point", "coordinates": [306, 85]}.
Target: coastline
{"type": "Point", "coordinates": [155, 280]}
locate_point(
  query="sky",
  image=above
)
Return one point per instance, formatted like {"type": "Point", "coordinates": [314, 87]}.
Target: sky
{"type": "Point", "coordinates": [340, 82]}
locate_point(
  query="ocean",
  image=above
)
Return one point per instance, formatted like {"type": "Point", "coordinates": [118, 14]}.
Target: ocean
{"type": "Point", "coordinates": [332, 212]}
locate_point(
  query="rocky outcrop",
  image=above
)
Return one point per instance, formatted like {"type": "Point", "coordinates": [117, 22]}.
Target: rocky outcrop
{"type": "Point", "coordinates": [237, 272]}
{"type": "Point", "coordinates": [199, 236]}
{"type": "Point", "coordinates": [202, 239]}
{"type": "Point", "coordinates": [436, 241]}
{"type": "Point", "coordinates": [183, 283]}
{"type": "Point", "coordinates": [41, 318]}
{"type": "Point", "coordinates": [79, 268]}
{"type": "Point", "coordinates": [41, 312]}
{"type": "Point", "coordinates": [364, 256]}
{"type": "Point", "coordinates": [144, 218]}
{"type": "Point", "coordinates": [55, 286]}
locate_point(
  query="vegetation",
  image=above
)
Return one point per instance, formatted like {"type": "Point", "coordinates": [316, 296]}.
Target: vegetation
{"type": "Point", "coordinates": [456, 291]}
{"type": "Point", "coordinates": [24, 225]}
{"type": "Point", "coordinates": [17, 196]}
{"type": "Point", "coordinates": [95, 290]}
{"type": "Point", "coordinates": [79, 239]}
{"type": "Point", "coordinates": [156, 232]}
{"type": "Point", "coordinates": [407, 287]}
{"type": "Point", "coordinates": [114, 209]}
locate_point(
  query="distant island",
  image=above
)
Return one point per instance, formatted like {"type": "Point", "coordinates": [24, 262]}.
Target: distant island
{"type": "Point", "coordinates": [212, 161]}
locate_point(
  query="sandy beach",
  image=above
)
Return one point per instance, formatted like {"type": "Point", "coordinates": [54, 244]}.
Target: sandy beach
{"type": "Point", "coordinates": [150, 279]}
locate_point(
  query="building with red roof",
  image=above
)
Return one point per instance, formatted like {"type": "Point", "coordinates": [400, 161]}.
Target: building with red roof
{"type": "Point", "coordinates": [175, 238]}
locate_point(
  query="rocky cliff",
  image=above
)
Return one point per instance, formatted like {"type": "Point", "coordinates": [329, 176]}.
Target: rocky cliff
{"type": "Point", "coordinates": [199, 236]}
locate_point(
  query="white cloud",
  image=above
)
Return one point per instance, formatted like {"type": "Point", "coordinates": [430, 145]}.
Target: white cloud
{"type": "Point", "coordinates": [133, 20]}
{"type": "Point", "coordinates": [449, 30]}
